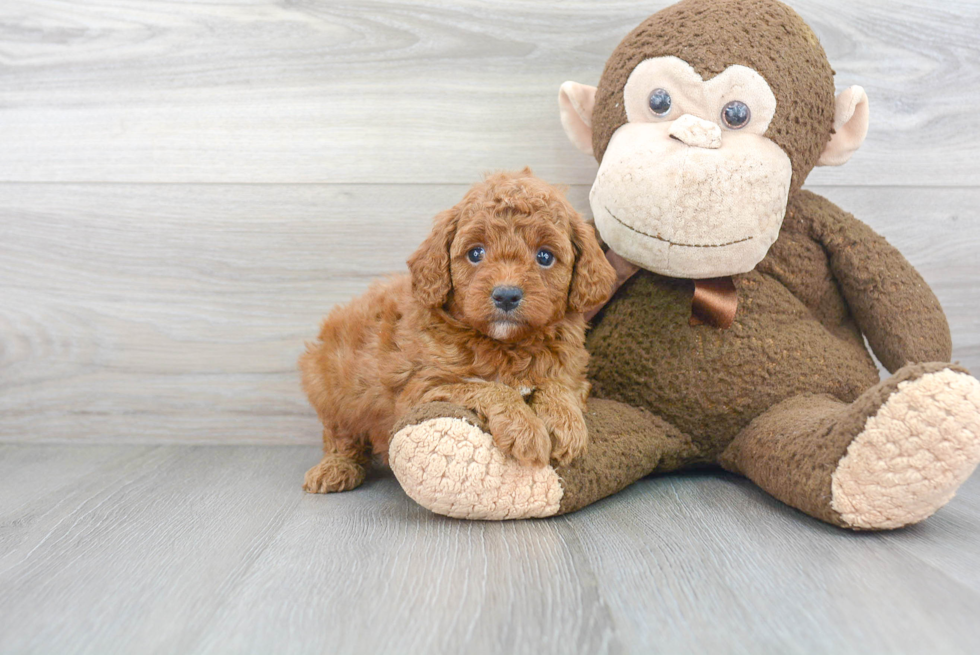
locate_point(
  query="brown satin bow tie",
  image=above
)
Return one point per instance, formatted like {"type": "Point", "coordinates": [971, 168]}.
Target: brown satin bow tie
{"type": "Point", "coordinates": [715, 302]}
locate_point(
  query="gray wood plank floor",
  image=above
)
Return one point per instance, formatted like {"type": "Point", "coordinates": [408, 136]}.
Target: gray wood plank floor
{"type": "Point", "coordinates": [197, 549]}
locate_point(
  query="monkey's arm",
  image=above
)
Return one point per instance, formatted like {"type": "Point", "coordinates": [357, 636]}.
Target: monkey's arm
{"type": "Point", "coordinates": [894, 307]}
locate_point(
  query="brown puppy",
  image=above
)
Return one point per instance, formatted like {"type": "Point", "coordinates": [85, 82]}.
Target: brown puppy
{"type": "Point", "coordinates": [490, 318]}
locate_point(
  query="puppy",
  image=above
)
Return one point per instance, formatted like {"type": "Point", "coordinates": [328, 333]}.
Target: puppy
{"type": "Point", "coordinates": [490, 318]}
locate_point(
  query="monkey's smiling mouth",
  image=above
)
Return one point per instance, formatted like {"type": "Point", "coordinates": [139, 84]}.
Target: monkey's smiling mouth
{"type": "Point", "coordinates": [674, 243]}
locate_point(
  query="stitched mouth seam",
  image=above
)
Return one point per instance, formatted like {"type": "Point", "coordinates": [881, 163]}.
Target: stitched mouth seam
{"type": "Point", "coordinates": [682, 245]}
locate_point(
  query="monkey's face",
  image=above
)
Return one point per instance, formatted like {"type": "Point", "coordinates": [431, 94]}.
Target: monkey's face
{"type": "Point", "coordinates": [707, 116]}
{"type": "Point", "coordinates": [690, 186]}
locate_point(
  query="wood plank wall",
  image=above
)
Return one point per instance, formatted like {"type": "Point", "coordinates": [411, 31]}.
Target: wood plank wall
{"type": "Point", "coordinates": [186, 187]}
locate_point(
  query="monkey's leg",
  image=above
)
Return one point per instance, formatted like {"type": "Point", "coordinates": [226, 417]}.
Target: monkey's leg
{"type": "Point", "coordinates": [891, 458]}
{"type": "Point", "coordinates": [447, 463]}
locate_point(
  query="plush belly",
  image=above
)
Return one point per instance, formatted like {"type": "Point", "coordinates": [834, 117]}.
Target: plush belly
{"type": "Point", "coordinates": [708, 382]}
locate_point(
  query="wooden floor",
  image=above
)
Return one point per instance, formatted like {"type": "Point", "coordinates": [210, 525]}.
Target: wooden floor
{"type": "Point", "coordinates": [204, 549]}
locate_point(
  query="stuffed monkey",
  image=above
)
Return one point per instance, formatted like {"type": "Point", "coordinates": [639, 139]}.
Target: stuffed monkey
{"type": "Point", "coordinates": [740, 340]}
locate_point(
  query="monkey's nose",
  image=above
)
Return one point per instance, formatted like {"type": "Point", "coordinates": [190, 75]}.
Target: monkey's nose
{"type": "Point", "coordinates": [696, 132]}
{"type": "Point", "coordinates": [507, 298]}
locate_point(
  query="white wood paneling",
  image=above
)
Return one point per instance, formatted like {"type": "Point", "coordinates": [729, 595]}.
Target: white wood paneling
{"type": "Point", "coordinates": [186, 188]}
{"type": "Point", "coordinates": [143, 313]}
{"type": "Point", "coordinates": [413, 91]}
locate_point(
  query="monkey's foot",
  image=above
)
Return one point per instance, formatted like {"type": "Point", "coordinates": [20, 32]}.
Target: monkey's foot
{"type": "Point", "coordinates": [913, 453]}
{"type": "Point", "coordinates": [450, 466]}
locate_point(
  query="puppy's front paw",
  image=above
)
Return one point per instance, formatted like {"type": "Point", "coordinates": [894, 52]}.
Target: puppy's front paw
{"type": "Point", "coordinates": [570, 437]}
{"type": "Point", "coordinates": [523, 436]}
{"type": "Point", "coordinates": [334, 473]}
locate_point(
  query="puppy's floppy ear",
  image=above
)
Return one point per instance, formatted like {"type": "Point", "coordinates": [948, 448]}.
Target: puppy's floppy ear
{"type": "Point", "coordinates": [429, 265]}
{"type": "Point", "coordinates": [593, 276]}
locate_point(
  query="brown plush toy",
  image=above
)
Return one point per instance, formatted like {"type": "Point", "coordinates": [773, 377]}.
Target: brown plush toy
{"type": "Point", "coordinates": [740, 342]}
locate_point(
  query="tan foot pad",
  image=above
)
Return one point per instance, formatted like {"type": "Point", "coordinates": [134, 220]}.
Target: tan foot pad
{"type": "Point", "coordinates": [453, 468]}
{"type": "Point", "coordinates": [912, 455]}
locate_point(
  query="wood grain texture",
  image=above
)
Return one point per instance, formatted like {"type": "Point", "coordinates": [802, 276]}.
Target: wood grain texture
{"type": "Point", "coordinates": [149, 313]}
{"type": "Point", "coordinates": [179, 549]}
{"type": "Point", "coordinates": [141, 548]}
{"type": "Point", "coordinates": [186, 188]}
{"type": "Point", "coordinates": [414, 90]}
{"type": "Point", "coordinates": [770, 580]}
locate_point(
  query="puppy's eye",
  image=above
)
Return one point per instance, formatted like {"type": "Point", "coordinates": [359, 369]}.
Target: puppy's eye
{"type": "Point", "coordinates": [476, 255]}
{"type": "Point", "coordinates": [545, 258]}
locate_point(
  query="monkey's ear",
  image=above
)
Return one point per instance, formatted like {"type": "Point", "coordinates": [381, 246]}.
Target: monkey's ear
{"type": "Point", "coordinates": [576, 102]}
{"type": "Point", "coordinates": [429, 265]}
{"type": "Point", "coordinates": [850, 127]}
{"type": "Point", "coordinates": [593, 276]}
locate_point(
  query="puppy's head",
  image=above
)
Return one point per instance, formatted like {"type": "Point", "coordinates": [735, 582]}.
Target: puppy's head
{"type": "Point", "coordinates": [512, 257]}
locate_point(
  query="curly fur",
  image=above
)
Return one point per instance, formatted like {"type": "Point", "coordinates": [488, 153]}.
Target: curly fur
{"type": "Point", "coordinates": [435, 335]}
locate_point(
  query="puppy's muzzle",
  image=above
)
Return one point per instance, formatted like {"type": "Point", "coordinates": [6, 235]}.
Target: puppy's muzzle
{"type": "Point", "coordinates": [506, 299]}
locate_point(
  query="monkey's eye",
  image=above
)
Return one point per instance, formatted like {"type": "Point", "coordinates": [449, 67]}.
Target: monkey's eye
{"type": "Point", "coordinates": [736, 114]}
{"type": "Point", "coordinates": [476, 255]}
{"type": "Point", "coordinates": [660, 102]}
{"type": "Point", "coordinates": [545, 258]}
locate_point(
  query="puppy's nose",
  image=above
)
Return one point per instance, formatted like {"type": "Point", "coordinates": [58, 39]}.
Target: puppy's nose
{"type": "Point", "coordinates": [507, 298]}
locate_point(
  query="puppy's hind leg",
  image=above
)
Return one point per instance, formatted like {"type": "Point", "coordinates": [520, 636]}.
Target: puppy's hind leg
{"type": "Point", "coordinates": [343, 467]}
